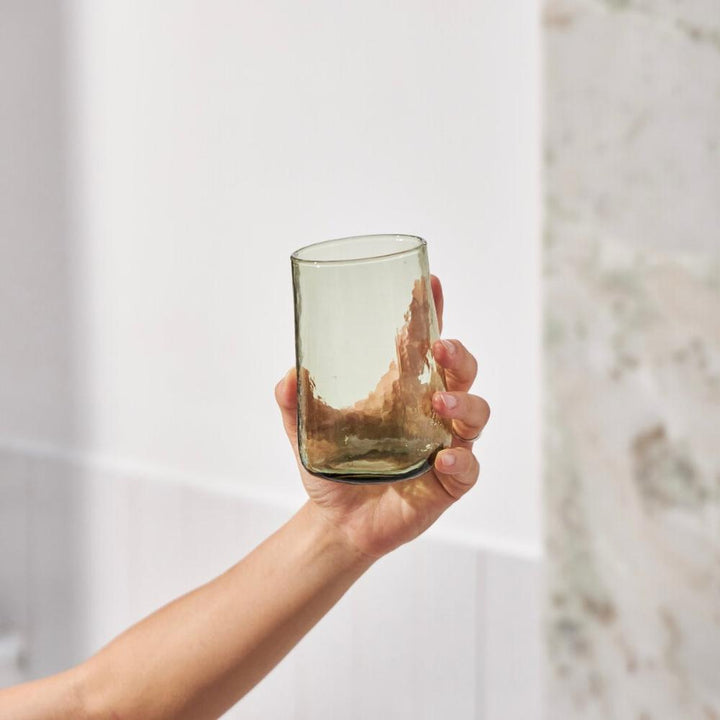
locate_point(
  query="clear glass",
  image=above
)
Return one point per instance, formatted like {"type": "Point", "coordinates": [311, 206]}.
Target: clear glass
{"type": "Point", "coordinates": [365, 323]}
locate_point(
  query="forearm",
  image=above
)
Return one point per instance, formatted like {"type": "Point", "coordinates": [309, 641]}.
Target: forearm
{"type": "Point", "coordinates": [198, 655]}
{"type": "Point", "coordinates": [52, 698]}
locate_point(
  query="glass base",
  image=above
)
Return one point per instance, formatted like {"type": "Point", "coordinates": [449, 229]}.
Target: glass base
{"type": "Point", "coordinates": [378, 477]}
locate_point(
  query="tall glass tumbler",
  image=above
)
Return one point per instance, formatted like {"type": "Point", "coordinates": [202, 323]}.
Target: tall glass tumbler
{"type": "Point", "coordinates": [365, 323]}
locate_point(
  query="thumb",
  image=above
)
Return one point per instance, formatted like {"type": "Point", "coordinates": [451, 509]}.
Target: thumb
{"type": "Point", "coordinates": [286, 398]}
{"type": "Point", "coordinates": [457, 469]}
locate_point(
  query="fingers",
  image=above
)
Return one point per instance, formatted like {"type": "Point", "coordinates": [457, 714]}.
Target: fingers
{"type": "Point", "coordinates": [457, 470]}
{"type": "Point", "coordinates": [286, 397]}
{"type": "Point", "coordinates": [460, 366]}
{"type": "Point", "coordinates": [469, 414]}
{"type": "Point", "coordinates": [438, 298]}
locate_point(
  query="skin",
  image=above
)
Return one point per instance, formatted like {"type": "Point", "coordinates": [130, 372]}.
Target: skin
{"type": "Point", "coordinates": [198, 655]}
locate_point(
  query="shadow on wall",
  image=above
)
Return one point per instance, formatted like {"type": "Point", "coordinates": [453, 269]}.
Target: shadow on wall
{"type": "Point", "coordinates": [39, 541]}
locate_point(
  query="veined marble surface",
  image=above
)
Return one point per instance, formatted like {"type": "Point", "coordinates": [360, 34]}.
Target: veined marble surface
{"type": "Point", "coordinates": [632, 359]}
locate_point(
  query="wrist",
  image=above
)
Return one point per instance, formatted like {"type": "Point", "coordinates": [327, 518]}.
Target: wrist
{"type": "Point", "coordinates": [332, 542]}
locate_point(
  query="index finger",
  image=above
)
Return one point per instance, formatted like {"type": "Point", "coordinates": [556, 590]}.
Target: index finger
{"type": "Point", "coordinates": [438, 298]}
{"type": "Point", "coordinates": [459, 364]}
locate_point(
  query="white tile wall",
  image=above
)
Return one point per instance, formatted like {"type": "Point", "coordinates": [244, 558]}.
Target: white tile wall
{"type": "Point", "coordinates": [55, 624]}
{"type": "Point", "coordinates": [13, 543]}
{"type": "Point", "coordinates": [106, 552]}
{"type": "Point", "coordinates": [13, 566]}
{"type": "Point", "coordinates": [510, 604]}
{"type": "Point", "coordinates": [436, 630]}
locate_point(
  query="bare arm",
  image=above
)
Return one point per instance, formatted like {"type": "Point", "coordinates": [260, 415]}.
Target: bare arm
{"type": "Point", "coordinates": [201, 653]}
{"type": "Point", "coordinates": [52, 698]}
{"type": "Point", "coordinates": [198, 655]}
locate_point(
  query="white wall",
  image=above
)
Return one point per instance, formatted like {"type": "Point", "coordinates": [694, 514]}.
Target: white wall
{"type": "Point", "coordinates": [164, 159]}
{"type": "Point", "coordinates": [211, 139]}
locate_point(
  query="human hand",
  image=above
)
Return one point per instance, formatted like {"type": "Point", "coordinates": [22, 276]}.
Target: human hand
{"type": "Point", "coordinates": [376, 519]}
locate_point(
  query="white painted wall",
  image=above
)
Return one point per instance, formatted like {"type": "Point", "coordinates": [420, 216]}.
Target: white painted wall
{"type": "Point", "coordinates": [209, 140]}
{"type": "Point", "coordinates": [161, 160]}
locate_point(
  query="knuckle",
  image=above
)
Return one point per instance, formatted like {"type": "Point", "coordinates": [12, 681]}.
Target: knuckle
{"type": "Point", "coordinates": [473, 365]}
{"type": "Point", "coordinates": [485, 406]}
{"type": "Point", "coordinates": [468, 460]}
{"type": "Point", "coordinates": [488, 410]}
{"type": "Point", "coordinates": [480, 410]}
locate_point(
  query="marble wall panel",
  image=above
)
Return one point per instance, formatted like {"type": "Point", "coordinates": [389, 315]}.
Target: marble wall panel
{"type": "Point", "coordinates": [632, 359]}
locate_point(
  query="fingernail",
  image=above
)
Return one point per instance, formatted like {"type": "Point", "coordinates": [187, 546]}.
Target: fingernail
{"type": "Point", "coordinates": [448, 459]}
{"type": "Point", "coordinates": [450, 401]}
{"type": "Point", "coordinates": [449, 346]}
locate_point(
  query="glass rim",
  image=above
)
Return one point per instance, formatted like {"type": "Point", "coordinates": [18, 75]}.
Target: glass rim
{"type": "Point", "coordinates": [418, 244]}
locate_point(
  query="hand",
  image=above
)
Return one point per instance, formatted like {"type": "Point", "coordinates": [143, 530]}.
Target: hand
{"type": "Point", "coordinates": [375, 519]}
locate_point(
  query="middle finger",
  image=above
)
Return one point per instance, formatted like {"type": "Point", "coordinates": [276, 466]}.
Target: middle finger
{"type": "Point", "coordinates": [469, 413]}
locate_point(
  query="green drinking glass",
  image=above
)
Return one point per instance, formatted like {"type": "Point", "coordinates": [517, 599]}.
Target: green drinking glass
{"type": "Point", "coordinates": [365, 323]}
